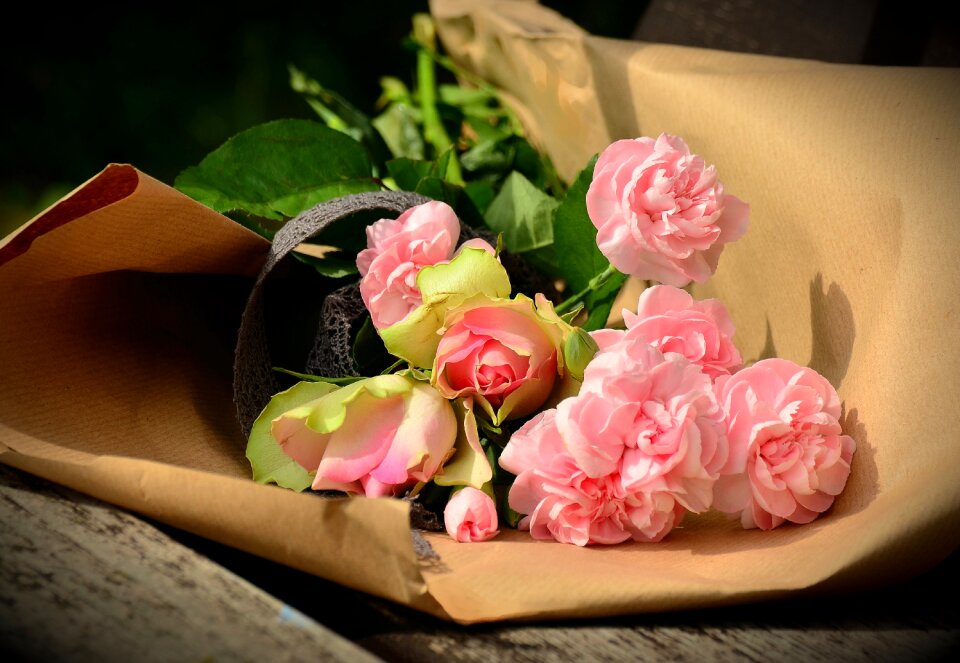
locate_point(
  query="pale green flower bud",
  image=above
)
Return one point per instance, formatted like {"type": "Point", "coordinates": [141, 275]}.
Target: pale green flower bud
{"type": "Point", "coordinates": [578, 349]}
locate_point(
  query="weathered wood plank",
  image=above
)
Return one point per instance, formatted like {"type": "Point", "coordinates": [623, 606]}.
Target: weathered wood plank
{"type": "Point", "coordinates": [906, 623]}
{"type": "Point", "coordinates": [83, 581]}
{"type": "Point", "coordinates": [80, 580]}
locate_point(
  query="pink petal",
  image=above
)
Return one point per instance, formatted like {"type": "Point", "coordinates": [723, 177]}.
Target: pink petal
{"type": "Point", "coordinates": [363, 440]}
{"type": "Point", "coordinates": [303, 445]}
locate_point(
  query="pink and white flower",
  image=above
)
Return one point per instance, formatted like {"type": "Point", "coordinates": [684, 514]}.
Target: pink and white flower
{"type": "Point", "coordinates": [788, 457]}
{"type": "Point", "coordinates": [650, 416]}
{"type": "Point", "coordinates": [660, 211]}
{"type": "Point", "coordinates": [672, 321]}
{"type": "Point", "coordinates": [642, 441]}
{"type": "Point", "coordinates": [566, 504]}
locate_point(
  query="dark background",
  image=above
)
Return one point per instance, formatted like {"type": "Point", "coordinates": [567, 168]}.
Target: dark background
{"type": "Point", "coordinates": [160, 85]}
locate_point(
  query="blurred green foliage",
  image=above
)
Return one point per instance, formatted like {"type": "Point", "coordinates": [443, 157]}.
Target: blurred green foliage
{"type": "Point", "coordinates": [160, 85]}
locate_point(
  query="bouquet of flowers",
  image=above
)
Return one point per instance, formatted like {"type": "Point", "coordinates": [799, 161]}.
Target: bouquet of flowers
{"type": "Point", "coordinates": [468, 354]}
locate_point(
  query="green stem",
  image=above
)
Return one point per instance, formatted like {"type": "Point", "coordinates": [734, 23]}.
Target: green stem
{"type": "Point", "coordinates": [433, 129]}
{"type": "Point", "coordinates": [595, 284]}
{"type": "Point", "coordinates": [394, 366]}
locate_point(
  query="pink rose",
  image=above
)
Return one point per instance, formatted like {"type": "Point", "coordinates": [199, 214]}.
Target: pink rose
{"type": "Point", "coordinates": [672, 321]}
{"type": "Point", "coordinates": [566, 504]}
{"type": "Point", "coordinates": [470, 515]}
{"type": "Point", "coordinates": [660, 212]}
{"type": "Point", "coordinates": [374, 437]}
{"type": "Point", "coordinates": [504, 354]}
{"type": "Point", "coordinates": [788, 459]}
{"type": "Point", "coordinates": [397, 249]}
{"type": "Point", "coordinates": [651, 417]}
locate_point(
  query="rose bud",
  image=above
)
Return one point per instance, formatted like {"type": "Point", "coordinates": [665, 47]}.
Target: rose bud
{"type": "Point", "coordinates": [470, 515]}
{"type": "Point", "coordinates": [578, 349]}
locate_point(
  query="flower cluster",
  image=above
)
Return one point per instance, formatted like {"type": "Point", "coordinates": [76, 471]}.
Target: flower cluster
{"type": "Point", "coordinates": [509, 411]}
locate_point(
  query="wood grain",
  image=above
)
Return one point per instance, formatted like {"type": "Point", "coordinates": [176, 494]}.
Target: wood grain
{"type": "Point", "coordinates": [83, 581]}
{"type": "Point", "coordinates": [910, 622]}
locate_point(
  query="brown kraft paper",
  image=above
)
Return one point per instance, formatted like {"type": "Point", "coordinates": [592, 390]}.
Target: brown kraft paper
{"type": "Point", "coordinates": [120, 306]}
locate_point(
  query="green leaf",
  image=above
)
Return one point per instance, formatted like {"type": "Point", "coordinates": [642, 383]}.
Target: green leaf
{"type": "Point", "coordinates": [369, 355]}
{"type": "Point", "coordinates": [575, 237]}
{"type": "Point", "coordinates": [331, 265]}
{"type": "Point", "coordinates": [570, 315]}
{"type": "Point", "coordinates": [341, 115]}
{"type": "Point", "coordinates": [600, 302]}
{"type": "Point", "coordinates": [487, 131]}
{"type": "Point", "coordinates": [399, 127]}
{"type": "Point", "coordinates": [294, 203]}
{"type": "Point", "coordinates": [442, 167]}
{"type": "Point", "coordinates": [438, 189]}
{"type": "Point", "coordinates": [544, 260]}
{"type": "Point", "coordinates": [488, 155]}
{"type": "Point", "coordinates": [530, 162]}
{"type": "Point", "coordinates": [457, 95]}
{"type": "Point", "coordinates": [407, 173]}
{"type": "Point", "coordinates": [279, 169]}
{"type": "Point", "coordinates": [269, 463]}
{"type": "Point", "coordinates": [429, 184]}
{"type": "Point", "coordinates": [393, 89]}
{"type": "Point", "coordinates": [523, 213]}
{"type": "Point", "coordinates": [264, 227]}
{"type": "Point", "coordinates": [307, 377]}
{"type": "Point", "coordinates": [481, 194]}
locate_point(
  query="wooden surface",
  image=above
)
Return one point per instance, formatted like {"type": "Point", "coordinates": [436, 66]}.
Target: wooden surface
{"type": "Point", "coordinates": [83, 581]}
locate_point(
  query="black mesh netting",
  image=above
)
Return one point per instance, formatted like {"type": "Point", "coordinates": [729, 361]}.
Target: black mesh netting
{"type": "Point", "coordinates": [254, 380]}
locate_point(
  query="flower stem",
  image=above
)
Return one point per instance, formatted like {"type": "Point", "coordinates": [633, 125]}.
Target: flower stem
{"type": "Point", "coordinates": [595, 283]}
{"type": "Point", "coordinates": [433, 129]}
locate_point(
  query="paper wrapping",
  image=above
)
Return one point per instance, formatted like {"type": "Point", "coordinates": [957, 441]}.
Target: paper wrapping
{"type": "Point", "coordinates": [120, 305]}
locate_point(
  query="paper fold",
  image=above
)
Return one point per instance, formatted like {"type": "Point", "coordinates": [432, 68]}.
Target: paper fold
{"type": "Point", "coordinates": [119, 321]}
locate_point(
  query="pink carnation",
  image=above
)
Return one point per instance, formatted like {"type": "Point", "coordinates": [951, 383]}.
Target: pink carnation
{"type": "Point", "coordinates": [397, 249]}
{"type": "Point", "coordinates": [660, 212]}
{"type": "Point", "coordinates": [470, 515]}
{"type": "Point", "coordinates": [672, 321]}
{"type": "Point", "coordinates": [652, 417]}
{"type": "Point", "coordinates": [566, 504]}
{"type": "Point", "coordinates": [788, 457]}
